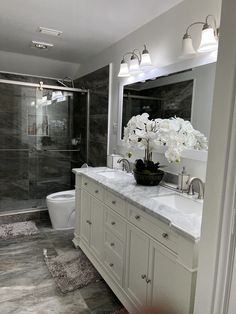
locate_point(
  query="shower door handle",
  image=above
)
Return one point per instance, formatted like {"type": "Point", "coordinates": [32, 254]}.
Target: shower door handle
{"type": "Point", "coordinates": [34, 150]}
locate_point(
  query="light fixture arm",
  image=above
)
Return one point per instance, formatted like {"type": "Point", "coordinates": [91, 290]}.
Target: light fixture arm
{"type": "Point", "coordinates": [137, 54]}
{"type": "Point", "coordinates": [216, 30]}
{"type": "Point", "coordinates": [205, 25]}
{"type": "Point", "coordinates": [190, 26]}
{"type": "Point", "coordinates": [136, 63]}
{"type": "Point", "coordinates": [208, 41]}
{"type": "Point", "coordinates": [133, 53]}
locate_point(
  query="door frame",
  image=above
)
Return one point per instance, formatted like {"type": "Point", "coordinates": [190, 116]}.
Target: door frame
{"type": "Point", "coordinates": [216, 250]}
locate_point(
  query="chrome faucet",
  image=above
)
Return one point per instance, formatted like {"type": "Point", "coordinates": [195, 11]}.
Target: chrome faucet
{"type": "Point", "coordinates": [126, 164]}
{"type": "Point", "coordinates": [200, 187]}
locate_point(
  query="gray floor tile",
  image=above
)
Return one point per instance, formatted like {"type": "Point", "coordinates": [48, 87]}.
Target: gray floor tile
{"type": "Point", "coordinates": [26, 286]}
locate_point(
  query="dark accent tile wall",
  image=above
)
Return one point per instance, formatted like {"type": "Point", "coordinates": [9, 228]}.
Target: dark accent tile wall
{"type": "Point", "coordinates": [98, 84]}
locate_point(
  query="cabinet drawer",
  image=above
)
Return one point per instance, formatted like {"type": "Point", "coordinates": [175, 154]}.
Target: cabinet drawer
{"type": "Point", "coordinates": [93, 188]}
{"type": "Point", "coordinates": [115, 203]}
{"type": "Point", "coordinates": [115, 224]}
{"type": "Point", "coordinates": [114, 243]}
{"type": "Point", "coordinates": [113, 264]}
{"type": "Point", "coordinates": [152, 226]}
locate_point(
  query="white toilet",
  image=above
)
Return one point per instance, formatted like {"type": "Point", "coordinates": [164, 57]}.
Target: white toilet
{"type": "Point", "coordinates": [61, 208]}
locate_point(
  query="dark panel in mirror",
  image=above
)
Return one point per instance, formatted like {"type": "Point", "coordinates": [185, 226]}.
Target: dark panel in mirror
{"type": "Point", "coordinates": [187, 94]}
{"type": "Point", "coordinates": [163, 101]}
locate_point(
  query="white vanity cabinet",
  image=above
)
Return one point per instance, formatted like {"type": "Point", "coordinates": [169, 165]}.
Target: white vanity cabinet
{"type": "Point", "coordinates": [91, 211]}
{"type": "Point", "coordinates": [154, 273]}
{"type": "Point", "coordinates": [141, 258]}
{"type": "Point", "coordinates": [137, 265]}
{"type": "Point", "coordinates": [169, 281]}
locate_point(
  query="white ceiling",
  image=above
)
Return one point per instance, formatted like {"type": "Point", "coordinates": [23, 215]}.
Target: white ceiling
{"type": "Point", "coordinates": [89, 26]}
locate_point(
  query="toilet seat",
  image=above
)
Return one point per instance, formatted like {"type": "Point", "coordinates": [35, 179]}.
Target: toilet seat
{"type": "Point", "coordinates": [61, 208]}
{"type": "Point", "coordinates": [62, 196]}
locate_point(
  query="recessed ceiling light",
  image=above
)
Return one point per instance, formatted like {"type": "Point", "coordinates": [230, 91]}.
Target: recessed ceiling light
{"type": "Point", "coordinates": [49, 31]}
{"type": "Point", "coordinates": [40, 45]}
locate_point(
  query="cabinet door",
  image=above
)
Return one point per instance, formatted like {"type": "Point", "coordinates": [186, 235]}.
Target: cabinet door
{"type": "Point", "coordinates": [137, 266]}
{"type": "Point", "coordinates": [85, 217]}
{"type": "Point", "coordinates": [171, 284]}
{"type": "Point", "coordinates": [96, 239]}
{"type": "Point", "coordinates": [77, 210]}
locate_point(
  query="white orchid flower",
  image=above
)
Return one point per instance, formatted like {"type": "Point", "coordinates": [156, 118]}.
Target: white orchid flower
{"type": "Point", "coordinates": [176, 133]}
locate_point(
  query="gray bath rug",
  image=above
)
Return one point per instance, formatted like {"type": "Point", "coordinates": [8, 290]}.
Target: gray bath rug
{"type": "Point", "coordinates": [71, 270]}
{"type": "Point", "coordinates": [16, 229]}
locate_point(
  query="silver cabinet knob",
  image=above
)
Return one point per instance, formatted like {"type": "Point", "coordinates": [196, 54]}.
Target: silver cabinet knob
{"type": "Point", "coordinates": [165, 235]}
{"type": "Point", "coordinates": [89, 222]}
{"type": "Point", "coordinates": [137, 217]}
{"type": "Point", "coordinates": [85, 183]}
{"type": "Point", "coordinates": [111, 264]}
{"type": "Point", "coordinates": [96, 191]}
{"type": "Point", "coordinates": [113, 202]}
{"type": "Point", "coordinates": [113, 223]}
{"type": "Point", "coordinates": [143, 276]}
{"type": "Point", "coordinates": [148, 280]}
{"type": "Point", "coordinates": [112, 244]}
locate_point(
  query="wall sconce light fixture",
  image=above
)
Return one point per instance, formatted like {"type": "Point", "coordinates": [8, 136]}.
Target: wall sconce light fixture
{"type": "Point", "coordinates": [209, 39]}
{"type": "Point", "coordinates": [137, 63]}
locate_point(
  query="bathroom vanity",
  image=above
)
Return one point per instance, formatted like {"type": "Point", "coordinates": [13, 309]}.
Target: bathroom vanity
{"type": "Point", "coordinates": [142, 240]}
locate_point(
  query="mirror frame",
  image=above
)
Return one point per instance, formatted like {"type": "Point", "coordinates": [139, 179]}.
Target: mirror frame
{"type": "Point", "coordinates": [158, 72]}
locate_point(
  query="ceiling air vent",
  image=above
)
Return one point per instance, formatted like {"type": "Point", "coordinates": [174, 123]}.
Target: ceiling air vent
{"type": "Point", "coordinates": [40, 45]}
{"type": "Point", "coordinates": [50, 32]}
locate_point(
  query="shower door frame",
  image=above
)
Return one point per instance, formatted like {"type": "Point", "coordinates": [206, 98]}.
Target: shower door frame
{"type": "Point", "coordinates": [41, 87]}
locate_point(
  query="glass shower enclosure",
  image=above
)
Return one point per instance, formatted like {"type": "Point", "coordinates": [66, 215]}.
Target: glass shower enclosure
{"type": "Point", "coordinates": [42, 137]}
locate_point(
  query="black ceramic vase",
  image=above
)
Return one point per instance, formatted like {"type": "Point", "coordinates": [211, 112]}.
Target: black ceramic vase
{"type": "Point", "coordinates": [149, 179]}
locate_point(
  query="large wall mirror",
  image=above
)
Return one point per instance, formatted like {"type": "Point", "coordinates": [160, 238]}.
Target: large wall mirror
{"type": "Point", "coordinates": [186, 94]}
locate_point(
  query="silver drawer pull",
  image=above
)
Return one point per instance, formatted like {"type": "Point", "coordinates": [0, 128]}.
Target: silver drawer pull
{"type": "Point", "coordinates": [137, 217]}
{"type": "Point", "coordinates": [165, 235]}
{"type": "Point", "coordinates": [89, 222]}
{"type": "Point", "coordinates": [148, 280]}
{"type": "Point", "coordinates": [113, 202]}
{"type": "Point", "coordinates": [111, 264]}
{"type": "Point", "coordinates": [96, 191]}
{"type": "Point", "coordinates": [113, 223]}
{"type": "Point", "coordinates": [143, 276]}
{"type": "Point", "coordinates": [85, 183]}
{"type": "Point", "coordinates": [112, 244]}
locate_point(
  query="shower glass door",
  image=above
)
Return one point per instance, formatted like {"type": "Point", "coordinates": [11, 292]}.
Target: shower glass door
{"type": "Point", "coordinates": [40, 142]}
{"type": "Point", "coordinates": [54, 143]}
{"type": "Point", "coordinates": [14, 145]}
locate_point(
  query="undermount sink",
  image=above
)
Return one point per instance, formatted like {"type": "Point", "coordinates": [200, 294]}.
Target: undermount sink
{"type": "Point", "coordinates": [179, 203]}
{"type": "Point", "coordinates": [113, 174]}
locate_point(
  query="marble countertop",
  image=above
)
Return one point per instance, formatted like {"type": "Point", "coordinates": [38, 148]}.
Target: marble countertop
{"type": "Point", "coordinates": [124, 185]}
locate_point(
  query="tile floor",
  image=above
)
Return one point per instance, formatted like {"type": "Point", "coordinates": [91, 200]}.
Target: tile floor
{"type": "Point", "coordinates": [26, 285]}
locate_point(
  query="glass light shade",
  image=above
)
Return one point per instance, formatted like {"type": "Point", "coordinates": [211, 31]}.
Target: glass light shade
{"type": "Point", "coordinates": [208, 41]}
{"type": "Point", "coordinates": [146, 61]}
{"type": "Point", "coordinates": [187, 47]}
{"type": "Point", "coordinates": [124, 69]}
{"type": "Point", "coordinates": [134, 67]}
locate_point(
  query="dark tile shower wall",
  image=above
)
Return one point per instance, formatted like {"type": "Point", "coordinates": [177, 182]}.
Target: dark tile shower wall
{"type": "Point", "coordinates": [32, 167]}
{"type": "Point", "coordinates": [98, 84]}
